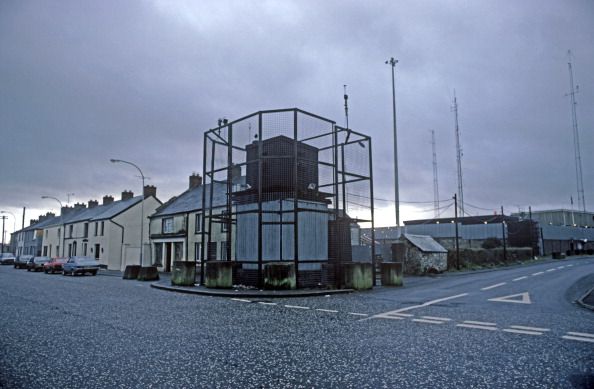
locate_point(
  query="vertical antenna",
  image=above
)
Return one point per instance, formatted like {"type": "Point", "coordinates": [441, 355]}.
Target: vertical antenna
{"type": "Point", "coordinates": [576, 138]}
{"type": "Point", "coordinates": [458, 157]}
{"type": "Point", "coordinates": [435, 182]}
{"type": "Point", "coordinates": [346, 106]}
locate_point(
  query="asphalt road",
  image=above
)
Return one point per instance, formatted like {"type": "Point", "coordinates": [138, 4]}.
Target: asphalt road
{"type": "Point", "coordinates": [510, 328]}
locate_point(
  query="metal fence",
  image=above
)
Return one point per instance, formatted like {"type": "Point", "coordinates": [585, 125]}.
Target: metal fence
{"type": "Point", "coordinates": [295, 187]}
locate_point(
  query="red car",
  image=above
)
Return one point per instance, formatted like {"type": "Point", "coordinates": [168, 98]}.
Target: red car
{"type": "Point", "coordinates": [54, 266]}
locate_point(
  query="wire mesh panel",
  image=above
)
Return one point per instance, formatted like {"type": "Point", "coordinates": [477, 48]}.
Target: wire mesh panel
{"type": "Point", "coordinates": [286, 186]}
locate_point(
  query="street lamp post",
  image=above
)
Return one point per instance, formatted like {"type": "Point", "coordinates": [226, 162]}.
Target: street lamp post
{"type": "Point", "coordinates": [13, 227]}
{"type": "Point", "coordinates": [141, 203]}
{"type": "Point", "coordinates": [392, 62]}
{"type": "Point", "coordinates": [63, 232]}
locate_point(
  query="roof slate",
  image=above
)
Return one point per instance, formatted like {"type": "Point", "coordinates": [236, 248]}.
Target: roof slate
{"type": "Point", "coordinates": [425, 243]}
{"type": "Point", "coordinates": [191, 200]}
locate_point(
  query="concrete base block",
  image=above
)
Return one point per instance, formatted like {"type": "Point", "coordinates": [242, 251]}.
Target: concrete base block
{"type": "Point", "coordinates": [392, 273]}
{"type": "Point", "coordinates": [558, 255]}
{"type": "Point", "coordinates": [148, 273]}
{"type": "Point", "coordinates": [131, 272]}
{"type": "Point", "coordinates": [356, 275]}
{"type": "Point", "coordinates": [183, 273]}
{"type": "Point", "coordinates": [219, 274]}
{"type": "Point", "coordinates": [279, 276]}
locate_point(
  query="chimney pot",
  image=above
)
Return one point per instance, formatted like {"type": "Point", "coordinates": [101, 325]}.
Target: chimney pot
{"type": "Point", "coordinates": [107, 200]}
{"type": "Point", "coordinates": [150, 190]}
{"type": "Point", "coordinates": [127, 195]}
{"type": "Point", "coordinates": [195, 180]}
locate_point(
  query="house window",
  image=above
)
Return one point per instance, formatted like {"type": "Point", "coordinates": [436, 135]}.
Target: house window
{"type": "Point", "coordinates": [96, 228]}
{"type": "Point", "coordinates": [197, 252]}
{"type": "Point", "coordinates": [59, 233]}
{"type": "Point", "coordinates": [70, 229]}
{"type": "Point", "coordinates": [198, 222]}
{"type": "Point", "coordinates": [178, 251]}
{"type": "Point", "coordinates": [45, 251]}
{"type": "Point", "coordinates": [85, 249]}
{"type": "Point", "coordinates": [46, 232]}
{"type": "Point", "coordinates": [102, 228]}
{"type": "Point", "coordinates": [86, 231]}
{"type": "Point", "coordinates": [167, 225]}
{"type": "Point", "coordinates": [158, 254]}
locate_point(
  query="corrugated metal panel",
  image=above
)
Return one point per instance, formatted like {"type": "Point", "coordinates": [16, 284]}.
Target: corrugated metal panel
{"type": "Point", "coordinates": [567, 233]}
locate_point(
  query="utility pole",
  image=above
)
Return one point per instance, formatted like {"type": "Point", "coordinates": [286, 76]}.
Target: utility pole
{"type": "Point", "coordinates": [435, 181]}
{"type": "Point", "coordinates": [456, 223]}
{"type": "Point", "coordinates": [458, 156]}
{"type": "Point", "coordinates": [3, 219]}
{"type": "Point", "coordinates": [503, 235]}
{"type": "Point", "coordinates": [392, 62]}
{"type": "Point", "coordinates": [576, 139]}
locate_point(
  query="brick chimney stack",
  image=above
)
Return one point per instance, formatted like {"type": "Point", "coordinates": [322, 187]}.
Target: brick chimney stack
{"type": "Point", "coordinates": [127, 195]}
{"type": "Point", "coordinates": [150, 190]}
{"type": "Point", "coordinates": [107, 200]}
{"type": "Point", "coordinates": [78, 206]}
{"type": "Point", "coordinates": [66, 210]}
{"type": "Point", "coordinates": [93, 204]}
{"type": "Point", "coordinates": [195, 180]}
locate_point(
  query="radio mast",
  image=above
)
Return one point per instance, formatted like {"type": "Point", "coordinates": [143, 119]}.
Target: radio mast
{"type": "Point", "coordinates": [435, 182]}
{"type": "Point", "coordinates": [458, 158]}
{"type": "Point", "coordinates": [576, 138]}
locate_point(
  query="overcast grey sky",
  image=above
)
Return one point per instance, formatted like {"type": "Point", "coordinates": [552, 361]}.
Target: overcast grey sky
{"type": "Point", "coordinates": [85, 81]}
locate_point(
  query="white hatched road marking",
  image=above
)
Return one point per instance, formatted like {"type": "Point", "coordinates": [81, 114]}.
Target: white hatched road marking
{"type": "Point", "coordinates": [477, 327]}
{"type": "Point", "coordinates": [524, 332]}
{"type": "Point", "coordinates": [581, 334]}
{"type": "Point", "coordinates": [538, 273]}
{"type": "Point", "coordinates": [427, 321]}
{"type": "Point", "coordinates": [265, 303]}
{"type": "Point", "coordinates": [436, 318]}
{"type": "Point", "coordinates": [520, 278]}
{"type": "Point", "coordinates": [480, 323]}
{"type": "Point", "coordinates": [537, 329]}
{"type": "Point", "coordinates": [403, 314]}
{"type": "Point", "coordinates": [494, 286]}
{"type": "Point", "coordinates": [296, 307]}
{"type": "Point", "coordinates": [358, 314]}
{"type": "Point", "coordinates": [589, 340]}
{"type": "Point", "coordinates": [241, 300]}
{"type": "Point", "coordinates": [387, 314]}
{"type": "Point", "coordinates": [326, 310]}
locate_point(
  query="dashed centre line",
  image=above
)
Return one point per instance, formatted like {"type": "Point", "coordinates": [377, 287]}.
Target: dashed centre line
{"type": "Point", "coordinates": [296, 307]}
{"type": "Point", "coordinates": [582, 334]}
{"type": "Point", "coordinates": [327, 310]}
{"type": "Point", "coordinates": [428, 321]}
{"type": "Point", "coordinates": [358, 314]}
{"type": "Point", "coordinates": [436, 318]}
{"type": "Point", "coordinates": [537, 329]}
{"type": "Point", "coordinates": [550, 270]}
{"type": "Point", "coordinates": [538, 273]}
{"type": "Point", "coordinates": [477, 327]}
{"type": "Point", "coordinates": [494, 286]}
{"type": "Point", "coordinates": [524, 332]}
{"type": "Point", "coordinates": [578, 338]}
{"type": "Point", "coordinates": [520, 278]}
{"type": "Point", "coordinates": [480, 323]}
{"type": "Point", "coordinates": [266, 303]}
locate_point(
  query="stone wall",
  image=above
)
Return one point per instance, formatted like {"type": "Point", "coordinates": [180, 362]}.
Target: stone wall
{"type": "Point", "coordinates": [492, 257]}
{"type": "Point", "coordinates": [418, 262]}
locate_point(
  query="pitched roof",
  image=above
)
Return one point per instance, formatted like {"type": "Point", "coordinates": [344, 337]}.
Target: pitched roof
{"type": "Point", "coordinates": [100, 212]}
{"type": "Point", "coordinates": [425, 243]}
{"type": "Point", "coordinates": [191, 200]}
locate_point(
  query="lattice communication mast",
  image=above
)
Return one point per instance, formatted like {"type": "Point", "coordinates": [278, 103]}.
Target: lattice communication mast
{"type": "Point", "coordinates": [458, 157]}
{"type": "Point", "coordinates": [576, 138]}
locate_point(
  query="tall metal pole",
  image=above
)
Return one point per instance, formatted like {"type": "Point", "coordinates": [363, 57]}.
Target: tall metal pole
{"type": "Point", "coordinates": [456, 223]}
{"type": "Point", "coordinates": [393, 63]}
{"type": "Point", "coordinates": [576, 139]}
{"type": "Point", "coordinates": [435, 181]}
{"type": "Point", "coordinates": [141, 204]}
{"type": "Point", "coordinates": [3, 218]}
{"type": "Point", "coordinates": [458, 157]}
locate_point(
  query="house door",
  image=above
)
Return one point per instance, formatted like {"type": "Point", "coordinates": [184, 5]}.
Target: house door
{"type": "Point", "coordinates": [97, 248]}
{"type": "Point", "coordinates": [168, 257]}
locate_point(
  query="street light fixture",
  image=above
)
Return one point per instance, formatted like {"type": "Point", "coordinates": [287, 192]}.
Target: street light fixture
{"type": "Point", "coordinates": [63, 230]}
{"type": "Point", "coordinates": [141, 203]}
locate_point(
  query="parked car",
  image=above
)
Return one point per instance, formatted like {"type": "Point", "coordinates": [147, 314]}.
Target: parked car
{"type": "Point", "coordinates": [80, 265]}
{"type": "Point", "coordinates": [36, 263]}
{"type": "Point", "coordinates": [21, 261]}
{"type": "Point", "coordinates": [7, 259]}
{"type": "Point", "coordinates": [55, 265]}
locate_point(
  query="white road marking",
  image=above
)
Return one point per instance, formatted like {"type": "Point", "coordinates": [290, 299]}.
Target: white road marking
{"type": "Point", "coordinates": [570, 265]}
{"type": "Point", "coordinates": [241, 300]}
{"type": "Point", "coordinates": [530, 328]}
{"type": "Point", "coordinates": [326, 310]}
{"type": "Point", "coordinates": [403, 314]}
{"type": "Point", "coordinates": [480, 323]}
{"type": "Point", "coordinates": [427, 321]}
{"type": "Point", "coordinates": [581, 334]}
{"type": "Point", "coordinates": [494, 286]}
{"type": "Point", "coordinates": [520, 278]}
{"type": "Point", "coordinates": [589, 340]}
{"type": "Point", "coordinates": [388, 317]}
{"type": "Point", "coordinates": [477, 327]}
{"type": "Point", "coordinates": [525, 332]}
{"type": "Point", "coordinates": [418, 306]}
{"type": "Point", "coordinates": [296, 307]}
{"type": "Point", "coordinates": [538, 273]}
{"type": "Point", "coordinates": [561, 267]}
{"type": "Point", "coordinates": [550, 270]}
{"type": "Point", "coordinates": [359, 314]}
{"type": "Point", "coordinates": [525, 298]}
{"type": "Point", "coordinates": [265, 303]}
{"type": "Point", "coordinates": [436, 318]}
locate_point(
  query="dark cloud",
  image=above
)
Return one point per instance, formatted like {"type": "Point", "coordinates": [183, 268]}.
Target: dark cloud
{"type": "Point", "coordinates": [83, 82]}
